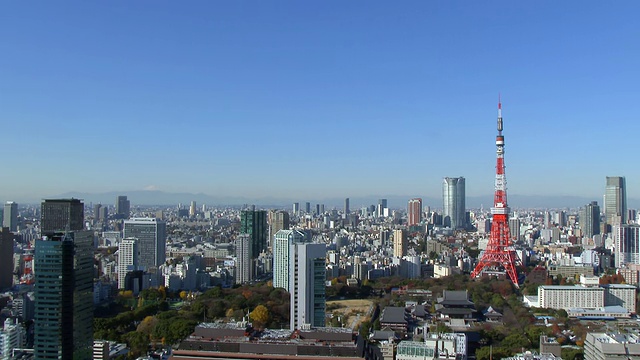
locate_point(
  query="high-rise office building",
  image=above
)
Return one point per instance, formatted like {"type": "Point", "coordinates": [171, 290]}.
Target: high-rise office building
{"type": "Point", "coordinates": [382, 209]}
{"type": "Point", "coordinates": [244, 259]}
{"type": "Point", "coordinates": [128, 259]}
{"type": "Point", "coordinates": [346, 205]}
{"type": "Point", "coordinates": [296, 208]}
{"type": "Point", "coordinates": [6, 258]}
{"type": "Point", "coordinates": [307, 207]}
{"type": "Point", "coordinates": [10, 218]}
{"type": "Point", "coordinates": [254, 223]}
{"type": "Point", "coordinates": [627, 244]}
{"type": "Point", "coordinates": [615, 201]}
{"type": "Point", "coordinates": [453, 196]}
{"type": "Point", "coordinates": [123, 207]}
{"type": "Point", "coordinates": [307, 283]}
{"type": "Point", "coordinates": [589, 219]}
{"type": "Point", "coordinates": [399, 243]}
{"type": "Point", "coordinates": [414, 212]}
{"type": "Point", "coordinates": [60, 215]}
{"type": "Point", "coordinates": [317, 209]}
{"type": "Point", "coordinates": [192, 209]}
{"type": "Point", "coordinates": [104, 213]}
{"type": "Point", "coordinates": [96, 212]}
{"type": "Point", "coordinates": [11, 337]}
{"type": "Point", "coordinates": [278, 220]}
{"type": "Point", "coordinates": [282, 242]}
{"type": "Point", "coordinates": [63, 317]}
{"type": "Point", "coordinates": [152, 240]}
{"type": "Point", "coordinates": [514, 228]}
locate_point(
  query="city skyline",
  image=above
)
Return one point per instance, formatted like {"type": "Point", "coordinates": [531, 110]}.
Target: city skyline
{"type": "Point", "coordinates": [366, 91]}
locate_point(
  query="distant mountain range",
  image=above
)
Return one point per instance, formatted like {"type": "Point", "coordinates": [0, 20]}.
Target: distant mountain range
{"type": "Point", "coordinates": [155, 197]}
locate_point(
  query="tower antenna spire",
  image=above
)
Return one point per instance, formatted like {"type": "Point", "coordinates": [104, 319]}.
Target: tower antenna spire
{"type": "Point", "coordinates": [500, 256]}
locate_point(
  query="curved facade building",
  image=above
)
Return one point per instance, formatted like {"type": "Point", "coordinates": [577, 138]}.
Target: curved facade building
{"type": "Point", "coordinates": [454, 212]}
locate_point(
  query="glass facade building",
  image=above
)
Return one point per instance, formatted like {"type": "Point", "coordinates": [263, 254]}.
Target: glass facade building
{"type": "Point", "coordinates": [59, 215]}
{"type": "Point", "coordinates": [152, 240]}
{"type": "Point", "coordinates": [453, 198]}
{"type": "Point", "coordinates": [615, 201]}
{"type": "Point", "coordinates": [63, 318]}
{"type": "Point", "coordinates": [254, 223]}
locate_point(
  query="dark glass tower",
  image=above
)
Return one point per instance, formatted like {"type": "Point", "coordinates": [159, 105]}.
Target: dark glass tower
{"type": "Point", "coordinates": [60, 215]}
{"type": "Point", "coordinates": [63, 319]}
{"type": "Point", "coordinates": [254, 223]}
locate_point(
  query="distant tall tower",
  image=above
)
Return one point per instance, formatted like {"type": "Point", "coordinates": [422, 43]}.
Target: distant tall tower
{"type": "Point", "coordinates": [499, 254]}
{"type": "Point", "coordinates": [59, 215]}
{"type": "Point", "coordinates": [128, 259]}
{"type": "Point", "coordinates": [307, 207]}
{"type": "Point", "coordinates": [346, 205]}
{"type": "Point", "coordinates": [307, 283]}
{"type": "Point", "coordinates": [63, 320]}
{"type": "Point", "coordinates": [244, 259]}
{"type": "Point", "coordinates": [278, 220]}
{"type": "Point", "coordinates": [399, 243]}
{"type": "Point", "coordinates": [381, 210]}
{"type": "Point", "coordinates": [123, 207]}
{"type": "Point", "coordinates": [453, 197]}
{"type": "Point", "coordinates": [96, 213]}
{"type": "Point", "coordinates": [590, 220]}
{"type": "Point", "coordinates": [282, 242]}
{"type": "Point", "coordinates": [6, 259]}
{"type": "Point", "coordinates": [192, 209]}
{"type": "Point", "coordinates": [414, 212]}
{"type": "Point", "coordinates": [254, 223]}
{"type": "Point", "coordinates": [11, 216]}
{"type": "Point", "coordinates": [296, 209]}
{"type": "Point", "coordinates": [152, 240]}
{"type": "Point", "coordinates": [615, 201]}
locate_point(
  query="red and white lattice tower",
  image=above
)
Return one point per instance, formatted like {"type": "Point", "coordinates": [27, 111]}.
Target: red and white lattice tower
{"type": "Point", "coordinates": [499, 256]}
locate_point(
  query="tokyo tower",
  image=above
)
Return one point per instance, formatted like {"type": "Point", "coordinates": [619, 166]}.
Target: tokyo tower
{"type": "Point", "coordinates": [499, 255]}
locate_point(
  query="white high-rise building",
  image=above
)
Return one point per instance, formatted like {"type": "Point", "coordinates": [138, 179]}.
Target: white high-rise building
{"type": "Point", "coordinates": [307, 268]}
{"type": "Point", "coordinates": [399, 243]}
{"type": "Point", "coordinates": [128, 259]}
{"type": "Point", "coordinates": [11, 337]}
{"type": "Point", "coordinates": [282, 241]}
{"type": "Point", "coordinates": [244, 261]}
{"type": "Point", "coordinates": [11, 216]}
{"type": "Point", "coordinates": [152, 240]}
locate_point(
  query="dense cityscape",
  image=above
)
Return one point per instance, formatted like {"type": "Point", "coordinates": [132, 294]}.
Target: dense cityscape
{"type": "Point", "coordinates": [98, 281]}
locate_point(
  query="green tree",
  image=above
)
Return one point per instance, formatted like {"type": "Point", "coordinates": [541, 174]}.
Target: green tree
{"type": "Point", "coordinates": [138, 343]}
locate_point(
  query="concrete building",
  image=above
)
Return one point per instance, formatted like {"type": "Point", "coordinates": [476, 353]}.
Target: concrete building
{"type": "Point", "coordinates": [414, 212]}
{"type": "Point", "coordinates": [12, 336]}
{"type": "Point", "coordinates": [282, 242]}
{"type": "Point", "coordinates": [399, 243]}
{"type": "Point", "coordinates": [6, 258]}
{"type": "Point", "coordinates": [603, 346]}
{"type": "Point", "coordinates": [621, 295]}
{"type": "Point", "coordinates": [10, 217]}
{"type": "Point", "coordinates": [590, 220]}
{"type": "Point", "coordinates": [568, 296]}
{"type": "Point", "coordinates": [307, 285]}
{"type": "Point", "coordinates": [244, 259]}
{"type": "Point", "coordinates": [128, 259]}
{"type": "Point", "coordinates": [152, 240]}
{"type": "Point", "coordinates": [123, 207]}
{"type": "Point", "coordinates": [627, 244]}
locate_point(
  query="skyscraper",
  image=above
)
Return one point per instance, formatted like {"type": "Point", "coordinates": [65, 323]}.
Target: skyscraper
{"type": "Point", "coordinates": [6, 258]}
{"type": "Point", "coordinates": [514, 228]}
{"type": "Point", "coordinates": [11, 216]}
{"type": "Point", "coordinates": [128, 259]}
{"type": "Point", "coordinates": [414, 212]}
{"type": "Point", "coordinates": [63, 319]}
{"type": "Point", "coordinates": [381, 209]}
{"type": "Point", "coordinates": [453, 197]}
{"type": "Point", "coordinates": [282, 242]}
{"type": "Point", "coordinates": [244, 259]}
{"type": "Point", "coordinates": [296, 208]}
{"type": "Point", "coordinates": [399, 243]}
{"type": "Point", "coordinates": [192, 209]}
{"type": "Point", "coordinates": [307, 285]}
{"type": "Point", "coordinates": [254, 223]}
{"type": "Point", "coordinates": [615, 201]}
{"type": "Point", "coordinates": [123, 207]}
{"type": "Point", "coordinates": [590, 220]}
{"type": "Point", "coordinates": [627, 244]}
{"type": "Point", "coordinates": [152, 240]}
{"type": "Point", "coordinates": [60, 215]}
{"type": "Point", "coordinates": [307, 207]}
{"type": "Point", "coordinates": [346, 205]}
{"type": "Point", "coordinates": [278, 220]}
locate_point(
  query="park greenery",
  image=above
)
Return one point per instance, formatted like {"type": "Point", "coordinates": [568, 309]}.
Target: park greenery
{"type": "Point", "coordinates": [154, 318]}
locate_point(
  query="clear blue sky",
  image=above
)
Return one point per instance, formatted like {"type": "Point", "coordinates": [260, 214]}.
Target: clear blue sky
{"type": "Point", "coordinates": [312, 99]}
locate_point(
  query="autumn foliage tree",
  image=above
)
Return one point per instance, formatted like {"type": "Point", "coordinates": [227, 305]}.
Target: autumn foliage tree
{"type": "Point", "coordinates": [260, 315]}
